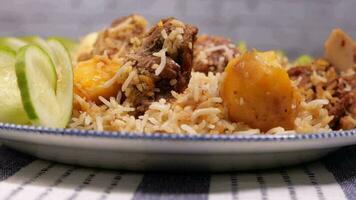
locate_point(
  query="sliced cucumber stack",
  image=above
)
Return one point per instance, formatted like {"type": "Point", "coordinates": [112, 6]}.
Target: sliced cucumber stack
{"type": "Point", "coordinates": [12, 110]}
{"type": "Point", "coordinates": [46, 103]}
{"type": "Point", "coordinates": [13, 43]}
{"type": "Point", "coordinates": [36, 85]}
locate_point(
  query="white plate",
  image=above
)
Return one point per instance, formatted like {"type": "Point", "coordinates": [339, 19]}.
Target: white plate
{"type": "Point", "coordinates": [137, 151]}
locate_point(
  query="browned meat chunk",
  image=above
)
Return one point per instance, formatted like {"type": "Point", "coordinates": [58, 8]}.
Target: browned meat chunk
{"type": "Point", "coordinates": [320, 80]}
{"type": "Point", "coordinates": [344, 102]}
{"type": "Point", "coordinates": [163, 61]}
{"type": "Point", "coordinates": [122, 36]}
{"type": "Point", "coordinates": [212, 53]}
{"type": "Point", "coordinates": [348, 121]}
{"type": "Point", "coordinates": [302, 73]}
{"type": "Point", "coordinates": [169, 75]}
{"type": "Point", "coordinates": [176, 39]}
{"type": "Point", "coordinates": [150, 86]}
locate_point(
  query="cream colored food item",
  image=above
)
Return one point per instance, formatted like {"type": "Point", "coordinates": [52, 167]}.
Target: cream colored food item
{"type": "Point", "coordinates": [339, 50]}
{"type": "Point", "coordinates": [86, 46]}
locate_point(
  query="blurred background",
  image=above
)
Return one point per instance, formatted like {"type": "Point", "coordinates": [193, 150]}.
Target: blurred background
{"type": "Point", "coordinates": [296, 26]}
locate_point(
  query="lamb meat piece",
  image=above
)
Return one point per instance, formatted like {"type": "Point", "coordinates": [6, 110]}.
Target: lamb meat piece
{"type": "Point", "coordinates": [121, 36]}
{"type": "Point", "coordinates": [170, 40]}
{"type": "Point", "coordinates": [348, 119]}
{"type": "Point", "coordinates": [163, 35]}
{"type": "Point", "coordinates": [186, 57]}
{"type": "Point", "coordinates": [349, 100]}
{"type": "Point", "coordinates": [342, 103]}
{"type": "Point", "coordinates": [338, 106]}
{"type": "Point", "coordinates": [170, 72]}
{"type": "Point", "coordinates": [212, 53]}
{"type": "Point", "coordinates": [155, 87]}
{"type": "Point", "coordinates": [300, 71]}
{"type": "Point", "coordinates": [343, 106]}
{"type": "Point", "coordinates": [177, 38]}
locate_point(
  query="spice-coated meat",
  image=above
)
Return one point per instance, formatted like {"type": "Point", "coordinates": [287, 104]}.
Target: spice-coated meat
{"type": "Point", "coordinates": [212, 53]}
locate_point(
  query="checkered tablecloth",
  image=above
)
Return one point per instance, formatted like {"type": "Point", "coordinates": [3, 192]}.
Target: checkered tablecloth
{"type": "Point", "coordinates": [25, 177]}
{"type": "Point", "coordinates": [264, 24]}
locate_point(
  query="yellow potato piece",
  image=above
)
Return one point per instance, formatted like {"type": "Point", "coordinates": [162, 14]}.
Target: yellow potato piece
{"type": "Point", "coordinates": [91, 77]}
{"type": "Point", "coordinates": [258, 91]}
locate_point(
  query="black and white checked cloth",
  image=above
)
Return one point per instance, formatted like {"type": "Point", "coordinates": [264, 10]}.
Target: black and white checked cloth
{"type": "Point", "coordinates": [24, 177]}
{"type": "Point", "coordinates": [295, 26]}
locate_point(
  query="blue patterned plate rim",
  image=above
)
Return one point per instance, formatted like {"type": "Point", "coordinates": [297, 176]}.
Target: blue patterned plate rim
{"type": "Point", "coordinates": [174, 136]}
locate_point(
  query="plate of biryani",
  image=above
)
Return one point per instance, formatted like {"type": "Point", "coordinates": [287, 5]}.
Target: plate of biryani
{"type": "Point", "coordinates": [166, 97]}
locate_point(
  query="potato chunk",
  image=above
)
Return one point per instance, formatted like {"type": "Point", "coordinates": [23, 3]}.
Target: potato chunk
{"type": "Point", "coordinates": [339, 50]}
{"type": "Point", "coordinates": [92, 78]}
{"type": "Point", "coordinates": [258, 91]}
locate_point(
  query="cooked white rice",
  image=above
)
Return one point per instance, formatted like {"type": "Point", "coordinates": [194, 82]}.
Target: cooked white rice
{"type": "Point", "coordinates": [198, 110]}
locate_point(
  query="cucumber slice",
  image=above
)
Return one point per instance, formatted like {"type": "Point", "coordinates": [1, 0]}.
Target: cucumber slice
{"type": "Point", "coordinates": [29, 38]}
{"type": "Point", "coordinates": [43, 44]}
{"type": "Point", "coordinates": [15, 44]}
{"type": "Point", "coordinates": [12, 43]}
{"type": "Point", "coordinates": [64, 90]}
{"type": "Point", "coordinates": [70, 44]}
{"type": "Point", "coordinates": [33, 39]}
{"type": "Point", "coordinates": [12, 110]}
{"type": "Point", "coordinates": [45, 104]}
{"type": "Point", "coordinates": [32, 66]}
